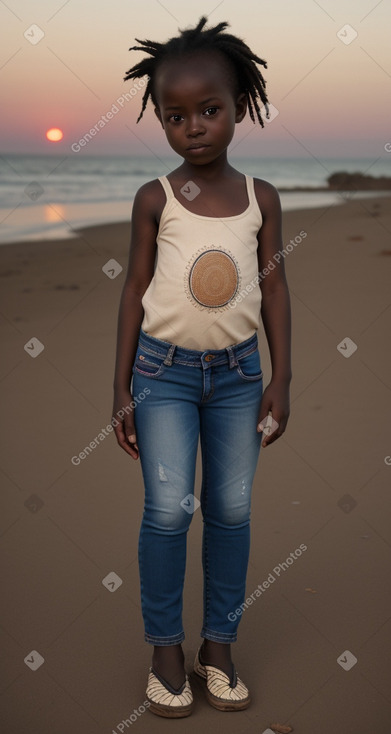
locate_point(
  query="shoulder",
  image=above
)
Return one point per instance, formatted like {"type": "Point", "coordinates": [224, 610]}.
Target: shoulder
{"type": "Point", "coordinates": [267, 197]}
{"type": "Point", "coordinates": [150, 199]}
{"type": "Point", "coordinates": [149, 190]}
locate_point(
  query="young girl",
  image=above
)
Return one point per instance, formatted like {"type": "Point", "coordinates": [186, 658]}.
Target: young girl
{"type": "Point", "coordinates": [187, 336]}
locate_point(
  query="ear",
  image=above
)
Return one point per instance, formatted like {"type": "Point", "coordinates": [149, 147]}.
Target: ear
{"type": "Point", "coordinates": [241, 107]}
{"type": "Point", "coordinates": [159, 117]}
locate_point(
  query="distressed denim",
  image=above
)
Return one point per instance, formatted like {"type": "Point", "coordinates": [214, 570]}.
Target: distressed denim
{"type": "Point", "coordinates": [215, 396]}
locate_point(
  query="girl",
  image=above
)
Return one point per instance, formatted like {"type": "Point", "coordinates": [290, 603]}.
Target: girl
{"type": "Point", "coordinates": [187, 336]}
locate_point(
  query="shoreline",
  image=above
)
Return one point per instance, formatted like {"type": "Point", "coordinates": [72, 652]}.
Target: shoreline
{"type": "Point", "coordinates": [81, 232]}
{"type": "Point", "coordinates": [44, 280]}
{"type": "Point", "coordinates": [327, 190]}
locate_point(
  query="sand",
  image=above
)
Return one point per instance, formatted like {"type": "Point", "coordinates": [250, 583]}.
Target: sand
{"type": "Point", "coordinates": [324, 486]}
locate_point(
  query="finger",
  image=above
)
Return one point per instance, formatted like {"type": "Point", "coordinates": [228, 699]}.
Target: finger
{"type": "Point", "coordinates": [274, 435]}
{"type": "Point", "coordinates": [269, 439]}
{"type": "Point", "coordinates": [129, 450]}
{"type": "Point", "coordinates": [268, 424]}
{"type": "Point", "coordinates": [119, 432]}
{"type": "Point", "coordinates": [264, 409]}
{"type": "Point", "coordinates": [123, 442]}
{"type": "Point", "coordinates": [133, 440]}
{"type": "Point", "coordinates": [129, 428]}
{"type": "Point", "coordinates": [133, 452]}
{"type": "Point", "coordinates": [270, 428]}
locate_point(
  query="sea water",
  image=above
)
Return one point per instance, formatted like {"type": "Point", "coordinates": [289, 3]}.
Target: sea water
{"type": "Point", "coordinates": [49, 196]}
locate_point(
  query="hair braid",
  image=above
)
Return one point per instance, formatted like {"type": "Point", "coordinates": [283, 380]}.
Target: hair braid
{"type": "Point", "coordinates": [249, 78]}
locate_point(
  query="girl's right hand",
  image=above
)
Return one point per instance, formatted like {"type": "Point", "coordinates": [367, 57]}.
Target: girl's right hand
{"type": "Point", "coordinates": [124, 423]}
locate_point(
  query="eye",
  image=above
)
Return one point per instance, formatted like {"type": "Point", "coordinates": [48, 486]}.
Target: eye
{"type": "Point", "coordinates": [211, 110]}
{"type": "Point", "coordinates": [176, 115]}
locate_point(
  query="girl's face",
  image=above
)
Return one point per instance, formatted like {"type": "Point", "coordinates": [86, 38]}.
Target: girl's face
{"type": "Point", "coordinates": [196, 106]}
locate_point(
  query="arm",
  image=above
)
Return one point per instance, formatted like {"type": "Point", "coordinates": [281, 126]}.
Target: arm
{"type": "Point", "coordinates": [275, 309]}
{"type": "Point", "coordinates": [140, 271]}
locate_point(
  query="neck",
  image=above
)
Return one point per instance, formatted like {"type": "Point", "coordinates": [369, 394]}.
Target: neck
{"type": "Point", "coordinates": [215, 170]}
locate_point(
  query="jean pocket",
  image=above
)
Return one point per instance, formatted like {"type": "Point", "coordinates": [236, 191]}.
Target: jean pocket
{"type": "Point", "coordinates": [148, 365]}
{"type": "Point", "coordinates": [249, 366]}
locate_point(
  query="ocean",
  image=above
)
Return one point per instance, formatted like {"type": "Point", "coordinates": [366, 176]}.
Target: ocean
{"type": "Point", "coordinates": [48, 196]}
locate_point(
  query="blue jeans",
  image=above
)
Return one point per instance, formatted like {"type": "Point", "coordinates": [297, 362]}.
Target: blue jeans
{"type": "Point", "coordinates": [215, 395]}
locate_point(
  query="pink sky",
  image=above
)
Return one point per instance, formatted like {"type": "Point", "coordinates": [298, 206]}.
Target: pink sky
{"type": "Point", "coordinates": [330, 87]}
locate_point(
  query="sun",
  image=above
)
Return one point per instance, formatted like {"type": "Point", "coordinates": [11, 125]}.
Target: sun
{"type": "Point", "coordinates": [54, 134]}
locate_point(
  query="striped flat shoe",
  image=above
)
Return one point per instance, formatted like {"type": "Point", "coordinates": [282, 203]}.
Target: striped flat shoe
{"type": "Point", "coordinates": [226, 693]}
{"type": "Point", "coordinates": [164, 700]}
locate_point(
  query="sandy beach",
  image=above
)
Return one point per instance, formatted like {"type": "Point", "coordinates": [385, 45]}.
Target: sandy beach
{"type": "Point", "coordinates": [314, 647]}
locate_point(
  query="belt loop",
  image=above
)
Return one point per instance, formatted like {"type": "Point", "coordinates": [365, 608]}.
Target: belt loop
{"type": "Point", "coordinates": [170, 354]}
{"type": "Point", "coordinates": [232, 357]}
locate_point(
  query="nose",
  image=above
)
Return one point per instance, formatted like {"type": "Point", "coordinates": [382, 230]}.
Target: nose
{"type": "Point", "coordinates": [195, 126]}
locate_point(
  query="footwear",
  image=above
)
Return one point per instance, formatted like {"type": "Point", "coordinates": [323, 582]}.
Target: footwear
{"type": "Point", "coordinates": [226, 693]}
{"type": "Point", "coordinates": [164, 700]}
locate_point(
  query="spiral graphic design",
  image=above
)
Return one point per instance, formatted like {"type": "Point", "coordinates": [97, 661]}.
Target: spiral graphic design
{"type": "Point", "coordinates": [213, 278]}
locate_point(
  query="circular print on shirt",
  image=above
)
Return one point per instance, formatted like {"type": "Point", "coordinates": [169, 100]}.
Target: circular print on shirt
{"type": "Point", "coordinates": [213, 278]}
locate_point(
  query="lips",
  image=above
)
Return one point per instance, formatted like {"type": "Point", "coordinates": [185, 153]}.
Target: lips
{"type": "Point", "coordinates": [195, 146]}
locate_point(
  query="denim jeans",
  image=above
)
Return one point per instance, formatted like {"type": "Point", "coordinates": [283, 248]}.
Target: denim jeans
{"type": "Point", "coordinates": [214, 395]}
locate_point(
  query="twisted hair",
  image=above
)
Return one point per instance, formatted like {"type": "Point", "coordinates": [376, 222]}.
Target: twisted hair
{"type": "Point", "coordinates": [249, 78]}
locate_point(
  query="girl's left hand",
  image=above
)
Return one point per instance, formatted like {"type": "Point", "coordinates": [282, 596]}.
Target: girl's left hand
{"type": "Point", "coordinates": [275, 399]}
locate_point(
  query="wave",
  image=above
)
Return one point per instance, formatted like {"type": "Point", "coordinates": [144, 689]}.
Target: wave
{"type": "Point", "coordinates": [26, 180]}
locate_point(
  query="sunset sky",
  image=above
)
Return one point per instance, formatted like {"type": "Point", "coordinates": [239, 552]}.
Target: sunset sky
{"type": "Point", "coordinates": [332, 95]}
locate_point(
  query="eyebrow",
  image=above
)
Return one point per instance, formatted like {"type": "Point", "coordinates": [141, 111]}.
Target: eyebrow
{"type": "Point", "coordinates": [205, 101]}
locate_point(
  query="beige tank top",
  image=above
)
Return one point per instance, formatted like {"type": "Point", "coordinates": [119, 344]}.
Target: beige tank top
{"type": "Point", "coordinates": [204, 293]}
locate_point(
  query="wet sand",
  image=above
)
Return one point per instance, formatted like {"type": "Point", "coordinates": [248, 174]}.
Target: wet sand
{"type": "Point", "coordinates": [321, 545]}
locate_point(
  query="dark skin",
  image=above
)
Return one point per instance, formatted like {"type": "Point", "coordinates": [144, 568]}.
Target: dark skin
{"type": "Point", "coordinates": [196, 104]}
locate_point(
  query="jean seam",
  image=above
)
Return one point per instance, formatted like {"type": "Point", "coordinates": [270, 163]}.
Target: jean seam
{"type": "Point", "coordinates": [177, 360]}
{"type": "Point", "coordinates": [219, 636]}
{"type": "Point", "coordinates": [149, 374]}
{"type": "Point", "coordinates": [206, 398]}
{"type": "Point", "coordinates": [171, 640]}
{"type": "Point", "coordinates": [207, 580]}
{"type": "Point", "coordinates": [250, 378]}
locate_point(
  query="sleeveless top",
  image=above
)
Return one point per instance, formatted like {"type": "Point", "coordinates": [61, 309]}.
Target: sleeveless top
{"type": "Point", "coordinates": [205, 291]}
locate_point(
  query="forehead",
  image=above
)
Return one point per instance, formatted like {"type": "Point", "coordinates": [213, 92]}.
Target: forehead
{"type": "Point", "coordinates": [199, 73]}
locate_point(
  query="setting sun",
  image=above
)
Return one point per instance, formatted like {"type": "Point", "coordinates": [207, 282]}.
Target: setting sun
{"type": "Point", "coordinates": [54, 134]}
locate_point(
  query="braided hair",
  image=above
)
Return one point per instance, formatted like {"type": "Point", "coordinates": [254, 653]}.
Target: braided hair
{"type": "Point", "coordinates": [249, 78]}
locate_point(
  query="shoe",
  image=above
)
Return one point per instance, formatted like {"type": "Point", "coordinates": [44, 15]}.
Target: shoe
{"type": "Point", "coordinates": [164, 700]}
{"type": "Point", "coordinates": [226, 693]}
